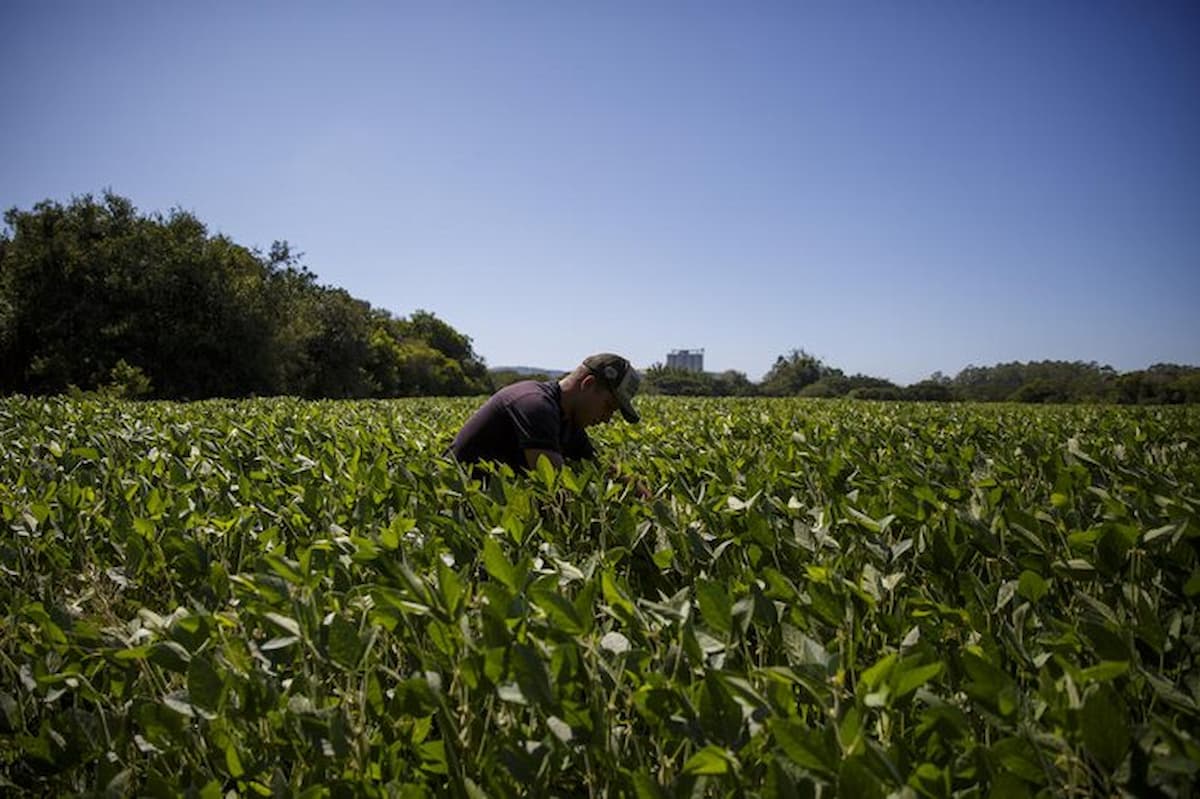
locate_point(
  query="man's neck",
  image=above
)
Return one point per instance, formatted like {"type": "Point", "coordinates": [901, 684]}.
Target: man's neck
{"type": "Point", "coordinates": [567, 393]}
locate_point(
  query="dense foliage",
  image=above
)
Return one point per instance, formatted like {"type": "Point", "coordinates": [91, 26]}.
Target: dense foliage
{"type": "Point", "coordinates": [675, 382]}
{"type": "Point", "coordinates": [1061, 381]}
{"type": "Point", "coordinates": [804, 375]}
{"type": "Point", "coordinates": [504, 377]}
{"type": "Point", "coordinates": [287, 598]}
{"type": "Point", "coordinates": [97, 296]}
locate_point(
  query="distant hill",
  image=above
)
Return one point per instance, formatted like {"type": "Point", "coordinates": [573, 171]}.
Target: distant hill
{"type": "Point", "coordinates": [528, 370]}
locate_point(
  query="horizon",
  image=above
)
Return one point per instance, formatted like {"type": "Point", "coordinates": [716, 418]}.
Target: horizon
{"type": "Point", "coordinates": [949, 375]}
{"type": "Point", "coordinates": [896, 190]}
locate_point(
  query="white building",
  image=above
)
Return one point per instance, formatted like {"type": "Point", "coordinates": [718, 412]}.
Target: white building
{"type": "Point", "coordinates": [689, 360]}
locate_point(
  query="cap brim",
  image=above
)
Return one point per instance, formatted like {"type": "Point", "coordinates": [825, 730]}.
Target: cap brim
{"type": "Point", "coordinates": [628, 412]}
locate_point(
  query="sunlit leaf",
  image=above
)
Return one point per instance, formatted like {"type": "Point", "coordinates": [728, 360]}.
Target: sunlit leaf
{"type": "Point", "coordinates": [709, 760]}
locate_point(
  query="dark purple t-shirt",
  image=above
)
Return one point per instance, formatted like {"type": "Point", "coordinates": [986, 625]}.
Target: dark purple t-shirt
{"type": "Point", "coordinates": [521, 416]}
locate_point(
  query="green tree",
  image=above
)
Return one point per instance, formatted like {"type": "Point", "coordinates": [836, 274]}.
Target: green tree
{"type": "Point", "coordinates": [1161, 384]}
{"type": "Point", "coordinates": [671, 381]}
{"type": "Point", "coordinates": [932, 389]}
{"type": "Point", "coordinates": [91, 285]}
{"type": "Point", "coordinates": [424, 355]}
{"type": "Point", "coordinates": [732, 383]}
{"type": "Point", "coordinates": [792, 372]}
{"type": "Point", "coordinates": [339, 350]}
{"type": "Point", "coordinates": [504, 377]}
{"type": "Point", "coordinates": [1037, 381]}
{"type": "Point", "coordinates": [836, 384]}
{"type": "Point", "coordinates": [425, 326]}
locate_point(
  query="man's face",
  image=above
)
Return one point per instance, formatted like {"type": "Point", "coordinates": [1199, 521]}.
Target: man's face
{"type": "Point", "coordinates": [599, 403]}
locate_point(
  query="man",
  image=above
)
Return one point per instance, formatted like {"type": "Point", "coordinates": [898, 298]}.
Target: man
{"type": "Point", "coordinates": [526, 420]}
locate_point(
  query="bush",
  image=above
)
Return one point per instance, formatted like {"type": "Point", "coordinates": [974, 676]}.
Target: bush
{"type": "Point", "coordinates": [128, 382]}
{"type": "Point", "coordinates": [883, 393]}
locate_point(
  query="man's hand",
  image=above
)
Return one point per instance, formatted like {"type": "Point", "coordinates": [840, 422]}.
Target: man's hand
{"type": "Point", "coordinates": [636, 485]}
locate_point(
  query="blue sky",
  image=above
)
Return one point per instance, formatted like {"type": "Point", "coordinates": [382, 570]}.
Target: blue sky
{"type": "Point", "coordinates": [898, 188]}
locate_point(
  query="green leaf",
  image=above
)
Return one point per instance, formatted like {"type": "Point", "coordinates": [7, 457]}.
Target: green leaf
{"type": "Point", "coordinates": [133, 653]}
{"type": "Point", "coordinates": [414, 584]}
{"type": "Point", "coordinates": [1017, 756]}
{"type": "Point", "coordinates": [204, 684]}
{"type": "Point", "coordinates": [287, 569]}
{"type": "Point", "coordinates": [909, 675]}
{"type": "Point", "coordinates": [856, 779]}
{"type": "Point", "coordinates": [1192, 587]}
{"type": "Point", "coordinates": [645, 787]}
{"type": "Point", "coordinates": [715, 606]}
{"type": "Point", "coordinates": [499, 566]}
{"type": "Point", "coordinates": [807, 748]}
{"type": "Point", "coordinates": [708, 761]}
{"type": "Point", "coordinates": [160, 726]}
{"type": "Point", "coordinates": [170, 655]}
{"type": "Point", "coordinates": [287, 623]}
{"type": "Point", "coordinates": [874, 676]}
{"type": "Point", "coordinates": [559, 612]}
{"type": "Point", "coordinates": [1031, 586]}
{"type": "Point", "coordinates": [569, 481]}
{"type": "Point", "coordinates": [1105, 726]}
{"type": "Point", "coordinates": [433, 754]}
{"type": "Point", "coordinates": [989, 685]}
{"type": "Point", "coordinates": [849, 731]}
{"type": "Point", "coordinates": [233, 761]}
{"type": "Point", "coordinates": [449, 586]}
{"type": "Point", "coordinates": [36, 612]}
{"type": "Point", "coordinates": [874, 525]}
{"type": "Point", "coordinates": [720, 713]}
{"type": "Point", "coordinates": [546, 472]}
{"type": "Point", "coordinates": [801, 650]}
{"type": "Point", "coordinates": [925, 493]}
{"type": "Point", "coordinates": [532, 676]}
{"type": "Point", "coordinates": [281, 642]}
{"type": "Point", "coordinates": [345, 646]}
{"type": "Point", "coordinates": [615, 596]}
{"type": "Point", "coordinates": [1104, 671]}
{"type": "Point", "coordinates": [415, 697]}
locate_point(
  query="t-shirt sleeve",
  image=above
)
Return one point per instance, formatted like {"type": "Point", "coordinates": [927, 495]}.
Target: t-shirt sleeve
{"type": "Point", "coordinates": [535, 421]}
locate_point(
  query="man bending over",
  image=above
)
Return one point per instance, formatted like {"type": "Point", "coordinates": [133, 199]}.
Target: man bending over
{"type": "Point", "coordinates": [525, 420]}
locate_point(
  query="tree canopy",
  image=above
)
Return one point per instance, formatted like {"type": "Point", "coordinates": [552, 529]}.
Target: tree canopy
{"type": "Point", "coordinates": [95, 294]}
{"type": "Point", "coordinates": [800, 373]}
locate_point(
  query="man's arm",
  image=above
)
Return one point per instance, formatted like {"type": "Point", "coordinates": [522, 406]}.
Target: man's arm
{"type": "Point", "coordinates": [555, 458]}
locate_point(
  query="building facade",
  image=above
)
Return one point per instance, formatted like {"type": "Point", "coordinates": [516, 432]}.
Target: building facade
{"type": "Point", "coordinates": [688, 360]}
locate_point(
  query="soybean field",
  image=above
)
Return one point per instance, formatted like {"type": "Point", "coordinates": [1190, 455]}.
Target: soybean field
{"type": "Point", "coordinates": [743, 597]}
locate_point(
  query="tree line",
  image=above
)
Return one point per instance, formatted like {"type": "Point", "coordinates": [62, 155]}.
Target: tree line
{"type": "Point", "coordinates": [800, 373]}
{"type": "Point", "coordinates": [96, 296]}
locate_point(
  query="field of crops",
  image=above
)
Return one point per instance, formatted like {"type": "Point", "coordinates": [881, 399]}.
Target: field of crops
{"type": "Point", "coordinates": [282, 598]}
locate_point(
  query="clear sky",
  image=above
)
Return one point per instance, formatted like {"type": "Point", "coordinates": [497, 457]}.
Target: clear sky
{"type": "Point", "coordinates": [895, 187]}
